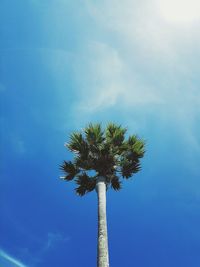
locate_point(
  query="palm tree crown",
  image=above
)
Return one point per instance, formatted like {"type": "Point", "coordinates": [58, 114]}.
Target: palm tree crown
{"type": "Point", "coordinates": [102, 152]}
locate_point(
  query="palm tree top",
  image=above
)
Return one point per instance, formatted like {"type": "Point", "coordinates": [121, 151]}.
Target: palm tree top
{"type": "Point", "coordinates": [102, 152]}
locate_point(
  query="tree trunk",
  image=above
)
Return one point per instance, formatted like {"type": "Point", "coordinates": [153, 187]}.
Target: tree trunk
{"type": "Point", "coordinates": [102, 257]}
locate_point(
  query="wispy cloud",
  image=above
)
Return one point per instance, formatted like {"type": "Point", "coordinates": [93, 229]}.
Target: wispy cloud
{"type": "Point", "coordinates": [100, 83]}
{"type": "Point", "coordinates": [150, 62]}
{"type": "Point", "coordinates": [108, 80]}
{"type": "Point", "coordinates": [9, 260]}
{"type": "Point", "coordinates": [52, 242]}
{"type": "Point", "coordinates": [54, 239]}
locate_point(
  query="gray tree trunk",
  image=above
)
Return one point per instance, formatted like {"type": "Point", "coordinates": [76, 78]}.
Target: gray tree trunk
{"type": "Point", "coordinates": [102, 257]}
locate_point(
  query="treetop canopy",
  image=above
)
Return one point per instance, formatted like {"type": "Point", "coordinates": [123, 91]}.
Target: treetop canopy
{"type": "Point", "coordinates": [104, 152]}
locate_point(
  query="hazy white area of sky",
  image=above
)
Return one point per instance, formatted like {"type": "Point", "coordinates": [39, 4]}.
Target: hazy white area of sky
{"type": "Point", "coordinates": [152, 37]}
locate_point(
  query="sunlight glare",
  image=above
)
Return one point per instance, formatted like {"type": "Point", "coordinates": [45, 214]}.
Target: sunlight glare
{"type": "Point", "coordinates": [180, 11]}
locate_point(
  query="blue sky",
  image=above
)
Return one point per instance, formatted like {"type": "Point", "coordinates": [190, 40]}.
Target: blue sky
{"type": "Point", "coordinates": [64, 64]}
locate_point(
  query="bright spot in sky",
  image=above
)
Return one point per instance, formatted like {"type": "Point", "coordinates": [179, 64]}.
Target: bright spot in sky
{"type": "Point", "coordinates": [181, 11]}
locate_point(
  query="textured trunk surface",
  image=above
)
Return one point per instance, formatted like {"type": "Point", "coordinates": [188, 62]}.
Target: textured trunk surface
{"type": "Point", "coordinates": [102, 258]}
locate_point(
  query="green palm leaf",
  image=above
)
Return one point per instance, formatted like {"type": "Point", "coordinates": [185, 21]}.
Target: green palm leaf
{"type": "Point", "coordinates": [115, 134]}
{"type": "Point", "coordinates": [94, 134]}
{"type": "Point", "coordinates": [78, 144]}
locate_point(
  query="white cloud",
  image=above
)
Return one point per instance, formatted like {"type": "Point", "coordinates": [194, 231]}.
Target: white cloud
{"type": "Point", "coordinates": [10, 261]}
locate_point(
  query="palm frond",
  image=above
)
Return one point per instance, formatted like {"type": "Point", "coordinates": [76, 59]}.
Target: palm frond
{"type": "Point", "coordinates": [77, 144]}
{"type": "Point", "coordinates": [80, 191]}
{"type": "Point", "coordinates": [84, 163]}
{"type": "Point", "coordinates": [94, 134]}
{"type": "Point", "coordinates": [116, 184]}
{"type": "Point", "coordinates": [132, 140]}
{"type": "Point", "coordinates": [85, 184]}
{"type": "Point", "coordinates": [115, 134]}
{"type": "Point", "coordinates": [138, 148]}
{"type": "Point", "coordinates": [69, 169]}
{"type": "Point", "coordinates": [128, 168]}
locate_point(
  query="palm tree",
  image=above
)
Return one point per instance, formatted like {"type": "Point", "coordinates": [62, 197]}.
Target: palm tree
{"type": "Point", "coordinates": [102, 159]}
